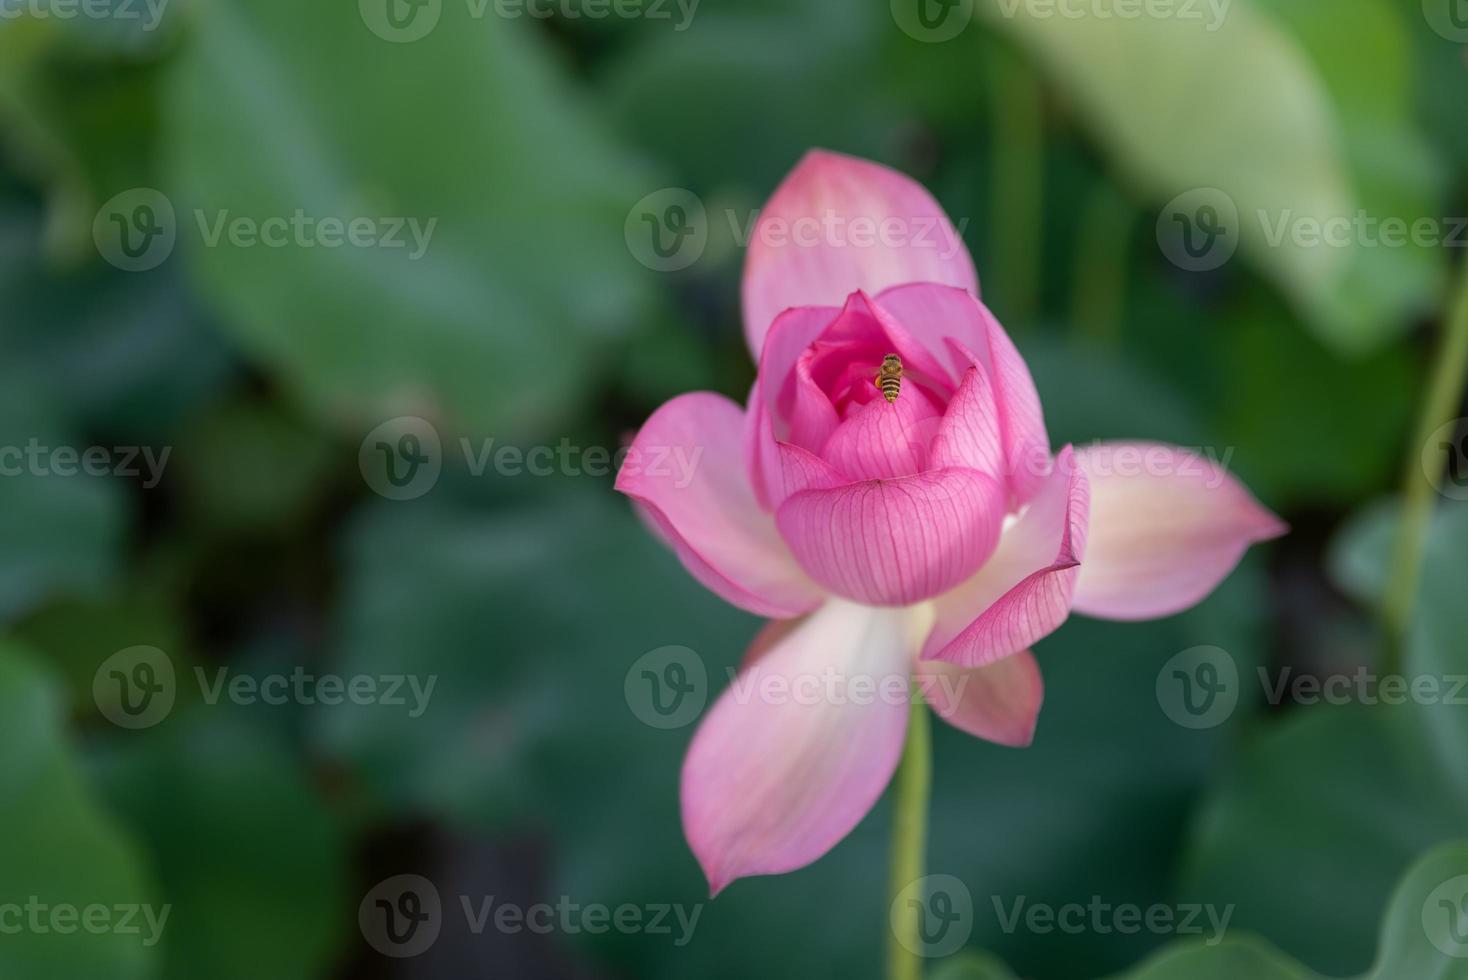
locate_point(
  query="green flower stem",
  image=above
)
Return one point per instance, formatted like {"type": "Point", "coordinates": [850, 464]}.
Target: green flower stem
{"type": "Point", "coordinates": [910, 842]}
{"type": "Point", "coordinates": [1440, 403]}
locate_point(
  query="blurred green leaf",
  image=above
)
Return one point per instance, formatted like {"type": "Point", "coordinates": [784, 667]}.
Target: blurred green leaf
{"type": "Point", "coordinates": [78, 635]}
{"type": "Point", "coordinates": [250, 467]}
{"type": "Point", "coordinates": [531, 620]}
{"type": "Point", "coordinates": [971, 966]}
{"type": "Point", "coordinates": [766, 68]}
{"type": "Point", "coordinates": [1418, 937]}
{"type": "Point", "coordinates": [249, 857]}
{"type": "Point", "coordinates": [117, 352]}
{"type": "Point", "coordinates": [58, 534]}
{"type": "Point", "coordinates": [1307, 444]}
{"type": "Point", "coordinates": [1313, 824]}
{"type": "Point", "coordinates": [496, 314]}
{"type": "Point", "coordinates": [58, 849]}
{"type": "Point", "coordinates": [1092, 392]}
{"type": "Point", "coordinates": [1246, 109]}
{"type": "Point", "coordinates": [1361, 561]}
{"type": "Point", "coordinates": [527, 621]}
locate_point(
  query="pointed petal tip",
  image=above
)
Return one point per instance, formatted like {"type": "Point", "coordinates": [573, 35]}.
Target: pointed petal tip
{"type": "Point", "coordinates": [716, 883]}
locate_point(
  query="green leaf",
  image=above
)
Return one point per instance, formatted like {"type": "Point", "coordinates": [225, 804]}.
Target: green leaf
{"type": "Point", "coordinates": [247, 854]}
{"type": "Point", "coordinates": [58, 534]}
{"type": "Point", "coordinates": [517, 617]}
{"type": "Point", "coordinates": [1316, 820]}
{"type": "Point", "coordinates": [107, 344]}
{"type": "Point", "coordinates": [1361, 561]}
{"type": "Point", "coordinates": [971, 966]}
{"type": "Point", "coordinates": [1247, 110]}
{"type": "Point", "coordinates": [531, 621]}
{"type": "Point", "coordinates": [768, 68]}
{"type": "Point", "coordinates": [250, 467]}
{"type": "Point", "coordinates": [1417, 936]}
{"type": "Point", "coordinates": [495, 317]}
{"type": "Point", "coordinates": [58, 847]}
{"type": "Point", "coordinates": [1284, 397]}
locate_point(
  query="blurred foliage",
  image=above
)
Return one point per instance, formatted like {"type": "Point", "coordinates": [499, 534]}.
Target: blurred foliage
{"type": "Point", "coordinates": [1053, 141]}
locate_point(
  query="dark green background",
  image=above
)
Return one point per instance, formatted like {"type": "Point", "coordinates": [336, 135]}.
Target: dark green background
{"type": "Point", "coordinates": [1057, 143]}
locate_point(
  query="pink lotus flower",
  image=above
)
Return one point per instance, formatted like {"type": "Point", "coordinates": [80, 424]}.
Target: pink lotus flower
{"type": "Point", "coordinates": [932, 536]}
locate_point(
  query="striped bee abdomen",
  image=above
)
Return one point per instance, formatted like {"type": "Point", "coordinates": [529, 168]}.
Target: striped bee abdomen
{"type": "Point", "coordinates": [889, 377]}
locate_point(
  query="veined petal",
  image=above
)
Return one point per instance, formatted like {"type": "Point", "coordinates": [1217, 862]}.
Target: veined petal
{"type": "Point", "coordinates": [895, 542]}
{"type": "Point", "coordinates": [837, 224]}
{"type": "Point", "coordinates": [999, 702]}
{"type": "Point", "coordinates": [798, 748]}
{"type": "Point", "coordinates": [1167, 526]}
{"type": "Point", "coordinates": [1024, 591]}
{"type": "Point", "coordinates": [962, 326]}
{"type": "Point", "coordinates": [686, 471]}
{"type": "Point", "coordinates": [882, 440]}
{"type": "Point", "coordinates": [969, 436]}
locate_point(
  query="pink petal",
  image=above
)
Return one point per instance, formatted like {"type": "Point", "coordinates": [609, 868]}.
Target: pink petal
{"type": "Point", "coordinates": [804, 337]}
{"type": "Point", "coordinates": [953, 320]}
{"type": "Point", "coordinates": [686, 471]}
{"type": "Point", "coordinates": [883, 440]}
{"type": "Point", "coordinates": [778, 469]}
{"type": "Point", "coordinates": [806, 251]}
{"type": "Point", "coordinates": [895, 542]}
{"type": "Point", "coordinates": [1024, 592]}
{"type": "Point", "coordinates": [1167, 526]}
{"type": "Point", "coordinates": [968, 436]}
{"type": "Point", "coordinates": [798, 748]}
{"type": "Point", "coordinates": [999, 702]}
{"type": "Point", "coordinates": [776, 390]}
